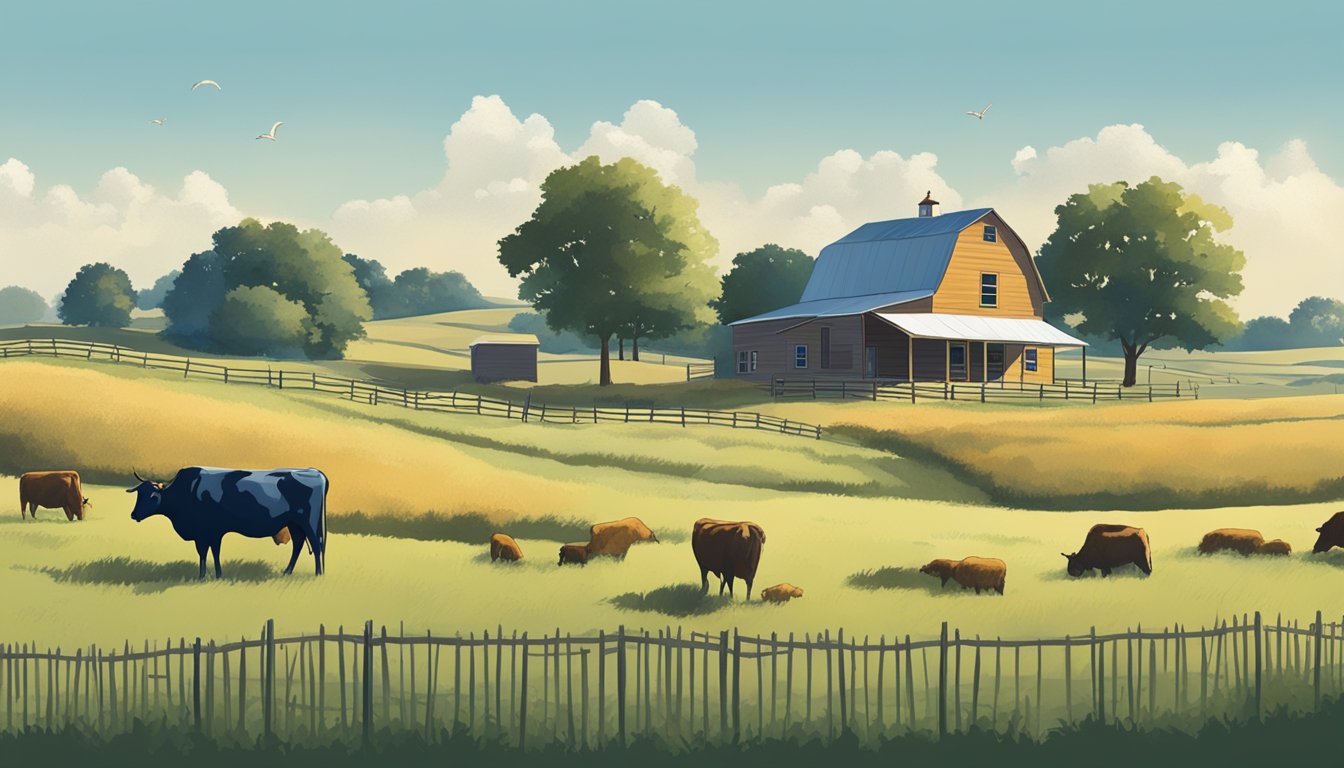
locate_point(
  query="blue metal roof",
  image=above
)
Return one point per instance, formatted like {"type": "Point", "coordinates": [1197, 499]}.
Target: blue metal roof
{"type": "Point", "coordinates": [848, 305]}
{"type": "Point", "coordinates": [885, 257]}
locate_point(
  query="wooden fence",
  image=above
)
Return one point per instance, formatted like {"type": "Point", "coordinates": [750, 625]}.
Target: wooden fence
{"type": "Point", "coordinates": [606, 689]}
{"type": "Point", "coordinates": [1071, 390]}
{"type": "Point", "coordinates": [697, 371]}
{"type": "Point", "coordinates": [374, 393]}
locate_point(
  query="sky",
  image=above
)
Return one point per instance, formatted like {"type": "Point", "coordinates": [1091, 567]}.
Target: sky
{"type": "Point", "coordinates": [418, 133]}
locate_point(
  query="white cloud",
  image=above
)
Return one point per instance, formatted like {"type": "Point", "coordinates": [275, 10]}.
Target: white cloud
{"type": "Point", "coordinates": [1283, 208]}
{"type": "Point", "coordinates": [46, 235]}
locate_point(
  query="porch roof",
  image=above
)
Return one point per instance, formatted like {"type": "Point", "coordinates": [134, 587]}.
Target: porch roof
{"type": "Point", "coordinates": [976, 328]}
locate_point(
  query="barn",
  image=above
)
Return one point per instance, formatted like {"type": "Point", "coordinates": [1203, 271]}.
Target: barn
{"type": "Point", "coordinates": [938, 297]}
{"type": "Point", "coordinates": [504, 357]}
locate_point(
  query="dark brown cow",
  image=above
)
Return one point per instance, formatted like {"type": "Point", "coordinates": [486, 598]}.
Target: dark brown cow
{"type": "Point", "coordinates": [573, 553]}
{"type": "Point", "coordinates": [728, 550]}
{"type": "Point", "coordinates": [1332, 534]}
{"type": "Point", "coordinates": [1111, 546]}
{"type": "Point", "coordinates": [53, 490]}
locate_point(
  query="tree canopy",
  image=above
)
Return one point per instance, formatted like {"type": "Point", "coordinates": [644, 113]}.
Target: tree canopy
{"type": "Point", "coordinates": [1315, 322]}
{"type": "Point", "coordinates": [612, 250]}
{"type": "Point", "coordinates": [1141, 265]}
{"type": "Point", "coordinates": [301, 268]}
{"type": "Point", "coordinates": [98, 295]}
{"type": "Point", "coordinates": [152, 297]}
{"type": "Point", "coordinates": [762, 280]}
{"type": "Point", "coordinates": [416, 291]}
{"type": "Point", "coordinates": [21, 305]}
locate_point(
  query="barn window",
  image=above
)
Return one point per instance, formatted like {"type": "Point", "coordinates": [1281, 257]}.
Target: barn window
{"type": "Point", "coordinates": [1029, 357]}
{"type": "Point", "coordinates": [753, 360]}
{"type": "Point", "coordinates": [800, 356]}
{"type": "Point", "coordinates": [742, 362]}
{"type": "Point", "coordinates": [825, 347]}
{"type": "Point", "coordinates": [989, 289]}
{"type": "Point", "coordinates": [956, 361]}
{"type": "Point", "coordinates": [991, 233]}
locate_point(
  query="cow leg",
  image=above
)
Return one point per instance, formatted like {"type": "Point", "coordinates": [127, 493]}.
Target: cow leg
{"type": "Point", "coordinates": [297, 538]}
{"type": "Point", "coordinates": [313, 541]}
{"type": "Point", "coordinates": [704, 581]}
{"type": "Point", "coordinates": [748, 588]}
{"type": "Point", "coordinates": [201, 547]}
{"type": "Point", "coordinates": [1143, 566]}
{"type": "Point", "coordinates": [214, 549]}
{"type": "Point", "coordinates": [1105, 572]}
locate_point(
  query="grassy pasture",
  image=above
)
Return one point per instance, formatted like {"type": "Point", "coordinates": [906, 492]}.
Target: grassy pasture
{"type": "Point", "coordinates": [414, 495]}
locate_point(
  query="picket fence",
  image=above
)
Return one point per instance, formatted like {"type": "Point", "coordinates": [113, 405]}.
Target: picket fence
{"type": "Point", "coordinates": [374, 393]}
{"type": "Point", "coordinates": [683, 687]}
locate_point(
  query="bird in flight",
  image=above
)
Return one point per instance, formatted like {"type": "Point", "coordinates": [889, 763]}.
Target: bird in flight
{"type": "Point", "coordinates": [981, 114]}
{"type": "Point", "coordinates": [206, 82]}
{"type": "Point", "coordinates": [159, 120]}
{"type": "Point", "coordinates": [271, 134]}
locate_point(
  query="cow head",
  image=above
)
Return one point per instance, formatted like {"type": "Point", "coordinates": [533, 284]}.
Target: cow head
{"type": "Point", "coordinates": [148, 498]}
{"type": "Point", "coordinates": [1075, 565]}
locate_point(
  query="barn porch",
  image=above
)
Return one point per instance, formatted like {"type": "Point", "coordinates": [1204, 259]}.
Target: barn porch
{"type": "Point", "coordinates": [961, 348]}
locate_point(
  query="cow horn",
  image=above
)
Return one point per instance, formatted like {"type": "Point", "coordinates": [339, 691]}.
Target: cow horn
{"type": "Point", "coordinates": [1063, 554]}
{"type": "Point", "coordinates": [138, 477]}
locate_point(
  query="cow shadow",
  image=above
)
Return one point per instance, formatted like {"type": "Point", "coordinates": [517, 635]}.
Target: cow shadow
{"type": "Point", "coordinates": [678, 600]}
{"type": "Point", "coordinates": [1122, 573]}
{"type": "Point", "coordinates": [909, 579]}
{"type": "Point", "coordinates": [149, 577]}
{"type": "Point", "coordinates": [1334, 558]}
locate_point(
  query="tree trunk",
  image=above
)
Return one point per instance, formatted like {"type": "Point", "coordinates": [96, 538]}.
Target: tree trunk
{"type": "Point", "coordinates": [634, 349]}
{"type": "Point", "coordinates": [604, 377]}
{"type": "Point", "coordinates": [1132, 353]}
{"type": "Point", "coordinates": [620, 346]}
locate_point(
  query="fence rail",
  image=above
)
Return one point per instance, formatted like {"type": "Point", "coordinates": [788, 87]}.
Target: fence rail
{"type": "Point", "coordinates": [374, 393]}
{"type": "Point", "coordinates": [1090, 391]}
{"type": "Point", "coordinates": [606, 689]}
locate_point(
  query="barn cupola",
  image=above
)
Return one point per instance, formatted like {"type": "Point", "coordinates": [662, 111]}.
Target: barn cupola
{"type": "Point", "coordinates": [928, 207]}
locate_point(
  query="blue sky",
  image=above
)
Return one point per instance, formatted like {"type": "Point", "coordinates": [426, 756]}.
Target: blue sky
{"type": "Point", "coordinates": [369, 90]}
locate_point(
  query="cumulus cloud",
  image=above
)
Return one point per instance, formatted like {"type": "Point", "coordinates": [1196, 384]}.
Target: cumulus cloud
{"type": "Point", "coordinates": [47, 235]}
{"type": "Point", "coordinates": [1283, 207]}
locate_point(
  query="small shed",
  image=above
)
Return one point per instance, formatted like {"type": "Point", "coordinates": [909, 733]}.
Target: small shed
{"type": "Point", "coordinates": [505, 357]}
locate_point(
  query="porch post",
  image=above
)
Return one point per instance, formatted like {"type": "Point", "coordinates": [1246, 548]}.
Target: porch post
{"type": "Point", "coordinates": [910, 352]}
{"type": "Point", "coordinates": [947, 360]}
{"type": "Point", "coordinates": [1084, 365]}
{"type": "Point", "coordinates": [984, 369]}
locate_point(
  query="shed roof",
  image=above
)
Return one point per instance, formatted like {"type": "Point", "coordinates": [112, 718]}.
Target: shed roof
{"type": "Point", "coordinates": [848, 305]}
{"type": "Point", "coordinates": [526, 339]}
{"type": "Point", "coordinates": [977, 328]}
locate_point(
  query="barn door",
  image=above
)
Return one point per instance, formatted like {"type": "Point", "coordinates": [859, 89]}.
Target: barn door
{"type": "Point", "coordinates": [994, 362]}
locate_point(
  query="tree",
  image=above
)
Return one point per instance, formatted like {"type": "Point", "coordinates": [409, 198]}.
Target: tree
{"type": "Point", "coordinates": [372, 277]}
{"type": "Point", "coordinates": [611, 249]}
{"type": "Point", "coordinates": [420, 291]}
{"type": "Point", "coordinates": [153, 297]}
{"type": "Point", "coordinates": [196, 293]}
{"type": "Point", "coordinates": [99, 295]}
{"type": "Point", "coordinates": [1265, 332]}
{"type": "Point", "coordinates": [1141, 265]}
{"type": "Point", "coordinates": [257, 320]}
{"type": "Point", "coordinates": [1318, 322]}
{"type": "Point", "coordinates": [20, 305]}
{"type": "Point", "coordinates": [762, 280]}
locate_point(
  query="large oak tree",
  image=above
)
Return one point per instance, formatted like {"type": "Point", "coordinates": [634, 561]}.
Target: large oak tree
{"type": "Point", "coordinates": [1141, 265]}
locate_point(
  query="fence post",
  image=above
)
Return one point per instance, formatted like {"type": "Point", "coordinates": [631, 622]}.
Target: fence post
{"type": "Point", "coordinates": [620, 683]}
{"type": "Point", "coordinates": [1316, 643]}
{"type": "Point", "coordinates": [268, 687]}
{"type": "Point", "coordinates": [723, 683]}
{"type": "Point", "coordinates": [367, 708]}
{"type": "Point", "coordinates": [1259, 637]}
{"type": "Point", "coordinates": [942, 683]}
{"type": "Point", "coordinates": [737, 687]}
{"type": "Point", "coordinates": [196, 683]}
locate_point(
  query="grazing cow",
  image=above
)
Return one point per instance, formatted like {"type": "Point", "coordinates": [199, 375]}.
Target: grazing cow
{"type": "Point", "coordinates": [781, 593]}
{"type": "Point", "coordinates": [204, 503]}
{"type": "Point", "coordinates": [615, 538]}
{"type": "Point", "coordinates": [1242, 541]}
{"type": "Point", "coordinates": [503, 547]}
{"type": "Point", "coordinates": [573, 553]}
{"type": "Point", "coordinates": [978, 573]}
{"type": "Point", "coordinates": [728, 550]}
{"type": "Point", "coordinates": [1111, 546]}
{"type": "Point", "coordinates": [52, 490]}
{"type": "Point", "coordinates": [1332, 534]}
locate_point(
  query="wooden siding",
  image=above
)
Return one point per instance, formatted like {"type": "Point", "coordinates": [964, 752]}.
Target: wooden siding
{"type": "Point", "coordinates": [1019, 293]}
{"type": "Point", "coordinates": [1014, 368]}
{"type": "Point", "coordinates": [893, 356]}
{"type": "Point", "coordinates": [774, 342]}
{"type": "Point", "coordinates": [504, 362]}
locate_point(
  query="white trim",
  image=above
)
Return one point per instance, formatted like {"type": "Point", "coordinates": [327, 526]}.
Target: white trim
{"type": "Point", "coordinates": [1009, 330]}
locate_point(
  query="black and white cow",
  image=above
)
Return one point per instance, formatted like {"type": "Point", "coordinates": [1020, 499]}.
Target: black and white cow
{"type": "Point", "coordinates": [204, 503]}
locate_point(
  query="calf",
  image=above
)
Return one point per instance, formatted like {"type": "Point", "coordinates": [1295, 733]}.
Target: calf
{"type": "Point", "coordinates": [58, 489]}
{"type": "Point", "coordinates": [503, 547]}
{"type": "Point", "coordinates": [573, 553]}
{"type": "Point", "coordinates": [978, 573]}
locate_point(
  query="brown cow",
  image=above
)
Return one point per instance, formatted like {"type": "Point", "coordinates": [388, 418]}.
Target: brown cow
{"type": "Point", "coordinates": [1111, 546]}
{"type": "Point", "coordinates": [52, 490]}
{"type": "Point", "coordinates": [781, 593]}
{"type": "Point", "coordinates": [573, 553]}
{"type": "Point", "coordinates": [615, 538]}
{"type": "Point", "coordinates": [1332, 534]}
{"type": "Point", "coordinates": [1242, 541]}
{"type": "Point", "coordinates": [978, 573]}
{"type": "Point", "coordinates": [503, 547]}
{"type": "Point", "coordinates": [728, 550]}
